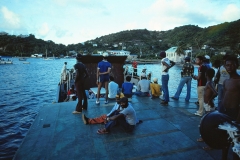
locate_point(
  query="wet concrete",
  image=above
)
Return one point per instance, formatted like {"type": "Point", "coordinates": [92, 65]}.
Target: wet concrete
{"type": "Point", "coordinates": [167, 132]}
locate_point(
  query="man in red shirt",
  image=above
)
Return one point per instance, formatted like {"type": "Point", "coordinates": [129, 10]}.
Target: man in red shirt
{"type": "Point", "coordinates": [134, 65]}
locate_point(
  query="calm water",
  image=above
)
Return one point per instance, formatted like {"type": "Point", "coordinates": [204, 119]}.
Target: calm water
{"type": "Point", "coordinates": [25, 88]}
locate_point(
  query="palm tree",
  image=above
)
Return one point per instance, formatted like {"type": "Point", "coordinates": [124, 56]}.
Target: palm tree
{"type": "Point", "coordinates": [180, 48]}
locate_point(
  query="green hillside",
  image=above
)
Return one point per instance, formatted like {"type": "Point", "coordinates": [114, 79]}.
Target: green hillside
{"type": "Point", "coordinates": [223, 37]}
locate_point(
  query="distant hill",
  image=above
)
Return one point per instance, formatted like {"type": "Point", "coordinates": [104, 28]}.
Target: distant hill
{"type": "Point", "coordinates": [213, 39]}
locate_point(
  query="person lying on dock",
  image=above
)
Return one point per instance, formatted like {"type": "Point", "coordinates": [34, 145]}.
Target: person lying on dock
{"type": "Point", "coordinates": [126, 118]}
{"type": "Point", "coordinates": [102, 119]}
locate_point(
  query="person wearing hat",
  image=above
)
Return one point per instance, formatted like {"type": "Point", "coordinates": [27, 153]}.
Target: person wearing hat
{"type": "Point", "coordinates": [103, 70]}
{"type": "Point", "coordinates": [143, 86]}
{"type": "Point", "coordinates": [81, 75]}
{"type": "Point", "coordinates": [166, 64]}
{"type": "Point", "coordinates": [102, 119]}
{"type": "Point", "coordinates": [126, 118]}
{"type": "Point", "coordinates": [155, 89]}
{"type": "Point", "coordinates": [207, 62]}
{"type": "Point", "coordinates": [186, 78]}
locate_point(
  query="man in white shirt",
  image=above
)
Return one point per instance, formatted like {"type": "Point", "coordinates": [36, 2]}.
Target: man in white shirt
{"type": "Point", "coordinates": [113, 88]}
{"type": "Point", "coordinates": [126, 118]}
{"type": "Point", "coordinates": [143, 86]}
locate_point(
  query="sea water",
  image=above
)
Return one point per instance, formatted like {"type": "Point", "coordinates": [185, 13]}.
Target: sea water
{"type": "Point", "coordinates": [25, 88]}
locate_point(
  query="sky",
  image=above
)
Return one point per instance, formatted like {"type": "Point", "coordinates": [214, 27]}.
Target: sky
{"type": "Point", "coordinates": [77, 21]}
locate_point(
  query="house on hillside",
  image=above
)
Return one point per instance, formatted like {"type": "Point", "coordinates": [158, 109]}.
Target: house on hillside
{"type": "Point", "coordinates": [173, 56]}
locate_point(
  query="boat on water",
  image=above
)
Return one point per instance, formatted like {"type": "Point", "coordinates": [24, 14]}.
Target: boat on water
{"type": "Point", "coordinates": [5, 60]}
{"type": "Point", "coordinates": [47, 58]}
{"type": "Point", "coordinates": [90, 85]}
{"type": "Point", "coordinates": [22, 59]}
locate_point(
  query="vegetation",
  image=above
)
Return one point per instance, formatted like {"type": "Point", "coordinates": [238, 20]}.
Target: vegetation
{"type": "Point", "coordinates": [212, 40]}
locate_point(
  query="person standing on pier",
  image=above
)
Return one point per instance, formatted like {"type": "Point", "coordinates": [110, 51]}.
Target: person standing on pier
{"type": "Point", "coordinates": [231, 94]}
{"type": "Point", "coordinates": [81, 75]}
{"type": "Point", "coordinates": [166, 65]}
{"type": "Point", "coordinates": [134, 65]}
{"type": "Point", "coordinates": [186, 78]}
{"type": "Point", "coordinates": [103, 70]}
{"type": "Point", "coordinates": [201, 82]}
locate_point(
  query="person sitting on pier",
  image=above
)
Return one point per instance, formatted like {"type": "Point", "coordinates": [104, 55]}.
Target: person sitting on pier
{"type": "Point", "coordinates": [143, 86]}
{"type": "Point", "coordinates": [113, 88]}
{"type": "Point", "coordinates": [102, 119]}
{"type": "Point", "coordinates": [127, 87]}
{"type": "Point", "coordinates": [71, 94]}
{"type": "Point", "coordinates": [155, 89]}
{"type": "Point", "coordinates": [126, 118]}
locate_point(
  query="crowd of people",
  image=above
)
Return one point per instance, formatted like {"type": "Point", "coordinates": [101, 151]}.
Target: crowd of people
{"type": "Point", "coordinates": [225, 85]}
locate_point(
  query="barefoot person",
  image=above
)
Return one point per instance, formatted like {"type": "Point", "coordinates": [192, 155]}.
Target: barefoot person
{"type": "Point", "coordinates": [103, 70]}
{"type": "Point", "coordinates": [81, 75]}
{"type": "Point", "coordinates": [126, 118]}
{"type": "Point", "coordinates": [102, 119]}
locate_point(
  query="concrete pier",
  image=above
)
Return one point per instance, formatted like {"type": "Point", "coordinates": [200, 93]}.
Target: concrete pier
{"type": "Point", "coordinates": [167, 132]}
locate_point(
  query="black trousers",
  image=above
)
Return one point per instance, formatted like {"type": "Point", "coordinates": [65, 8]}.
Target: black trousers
{"type": "Point", "coordinates": [81, 94]}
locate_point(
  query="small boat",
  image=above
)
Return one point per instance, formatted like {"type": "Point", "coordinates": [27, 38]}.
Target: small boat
{"type": "Point", "coordinates": [5, 60]}
{"type": "Point", "coordinates": [22, 58]}
{"type": "Point", "coordinates": [90, 86]}
{"type": "Point", "coordinates": [26, 62]}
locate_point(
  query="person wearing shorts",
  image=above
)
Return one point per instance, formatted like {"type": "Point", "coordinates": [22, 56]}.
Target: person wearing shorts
{"type": "Point", "coordinates": [103, 70]}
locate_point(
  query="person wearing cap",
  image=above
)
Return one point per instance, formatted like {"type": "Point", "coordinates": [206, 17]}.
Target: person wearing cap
{"type": "Point", "coordinates": [207, 62]}
{"type": "Point", "coordinates": [166, 64]}
{"type": "Point", "coordinates": [102, 119]}
{"type": "Point", "coordinates": [143, 86]}
{"type": "Point", "coordinates": [81, 75]}
{"type": "Point", "coordinates": [155, 89]}
{"type": "Point", "coordinates": [126, 118]}
{"type": "Point", "coordinates": [127, 87]}
{"type": "Point", "coordinates": [186, 78]}
{"type": "Point", "coordinates": [103, 70]}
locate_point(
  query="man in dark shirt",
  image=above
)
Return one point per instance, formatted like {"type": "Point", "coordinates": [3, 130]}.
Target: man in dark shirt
{"type": "Point", "coordinates": [81, 75]}
{"type": "Point", "coordinates": [186, 74]}
{"type": "Point", "coordinates": [201, 82]}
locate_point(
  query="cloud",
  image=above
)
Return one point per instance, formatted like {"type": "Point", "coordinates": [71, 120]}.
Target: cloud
{"type": "Point", "coordinates": [10, 17]}
{"type": "Point", "coordinates": [231, 13]}
{"type": "Point", "coordinates": [44, 29]}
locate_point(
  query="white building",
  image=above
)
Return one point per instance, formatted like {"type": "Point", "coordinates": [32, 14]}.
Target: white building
{"type": "Point", "coordinates": [37, 55]}
{"type": "Point", "coordinates": [173, 56]}
{"type": "Point", "coordinates": [118, 52]}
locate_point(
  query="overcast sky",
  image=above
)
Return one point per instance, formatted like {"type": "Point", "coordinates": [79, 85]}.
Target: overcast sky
{"type": "Point", "coordinates": [76, 21]}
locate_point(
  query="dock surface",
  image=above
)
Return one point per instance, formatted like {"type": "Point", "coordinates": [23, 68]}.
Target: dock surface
{"type": "Point", "coordinates": [167, 132]}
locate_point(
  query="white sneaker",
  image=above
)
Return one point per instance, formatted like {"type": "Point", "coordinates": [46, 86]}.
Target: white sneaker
{"type": "Point", "coordinates": [97, 102]}
{"type": "Point", "coordinates": [106, 102]}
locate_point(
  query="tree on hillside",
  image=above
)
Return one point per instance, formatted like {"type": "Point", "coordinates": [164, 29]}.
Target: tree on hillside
{"type": "Point", "coordinates": [180, 48]}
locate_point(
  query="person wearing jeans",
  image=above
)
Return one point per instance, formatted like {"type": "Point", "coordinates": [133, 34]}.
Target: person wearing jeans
{"type": "Point", "coordinates": [166, 64]}
{"type": "Point", "coordinates": [186, 73]}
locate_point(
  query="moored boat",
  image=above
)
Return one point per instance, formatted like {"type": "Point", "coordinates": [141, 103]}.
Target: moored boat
{"type": "Point", "coordinates": [90, 85]}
